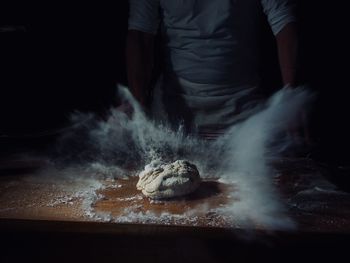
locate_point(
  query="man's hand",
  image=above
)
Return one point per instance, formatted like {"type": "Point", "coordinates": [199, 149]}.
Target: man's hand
{"type": "Point", "coordinates": [298, 130]}
{"type": "Point", "coordinates": [126, 108]}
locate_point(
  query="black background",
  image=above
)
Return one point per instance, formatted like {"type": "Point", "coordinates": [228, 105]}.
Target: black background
{"type": "Point", "coordinates": [69, 56]}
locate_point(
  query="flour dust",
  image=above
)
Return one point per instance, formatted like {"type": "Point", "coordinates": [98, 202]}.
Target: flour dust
{"type": "Point", "coordinates": [122, 144]}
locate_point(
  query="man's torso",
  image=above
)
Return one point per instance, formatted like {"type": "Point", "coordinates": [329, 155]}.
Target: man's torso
{"type": "Point", "coordinates": [211, 41]}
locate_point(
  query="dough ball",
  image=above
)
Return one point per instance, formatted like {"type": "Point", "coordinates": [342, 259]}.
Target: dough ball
{"type": "Point", "coordinates": [160, 181]}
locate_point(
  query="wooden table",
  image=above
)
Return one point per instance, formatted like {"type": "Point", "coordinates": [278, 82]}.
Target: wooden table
{"type": "Point", "coordinates": [41, 206]}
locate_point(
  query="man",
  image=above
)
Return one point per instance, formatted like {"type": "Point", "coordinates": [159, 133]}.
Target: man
{"type": "Point", "coordinates": [210, 49]}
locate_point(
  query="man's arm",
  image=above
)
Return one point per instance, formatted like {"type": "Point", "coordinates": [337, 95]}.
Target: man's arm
{"type": "Point", "coordinates": [140, 60]}
{"type": "Point", "coordinates": [287, 44]}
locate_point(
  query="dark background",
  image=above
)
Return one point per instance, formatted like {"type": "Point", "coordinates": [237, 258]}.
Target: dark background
{"type": "Point", "coordinates": [60, 57]}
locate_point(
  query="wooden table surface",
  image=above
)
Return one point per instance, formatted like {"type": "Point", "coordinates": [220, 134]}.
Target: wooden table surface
{"type": "Point", "coordinates": [33, 191]}
{"type": "Point", "coordinates": [46, 196]}
{"type": "Point", "coordinates": [48, 215]}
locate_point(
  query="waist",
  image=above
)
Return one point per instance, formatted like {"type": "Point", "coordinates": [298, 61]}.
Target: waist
{"type": "Point", "coordinates": [213, 73]}
{"type": "Point", "coordinates": [177, 85]}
